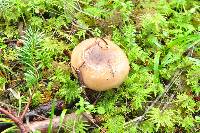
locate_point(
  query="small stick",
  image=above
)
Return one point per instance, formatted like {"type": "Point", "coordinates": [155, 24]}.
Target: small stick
{"type": "Point", "coordinates": [99, 95]}
{"type": "Point", "coordinates": [140, 118]}
{"type": "Point", "coordinates": [17, 120]}
{"type": "Point", "coordinates": [166, 104]}
{"type": "Point", "coordinates": [79, 75]}
{"type": "Point", "coordinates": [104, 42]}
{"type": "Point", "coordinates": [26, 108]}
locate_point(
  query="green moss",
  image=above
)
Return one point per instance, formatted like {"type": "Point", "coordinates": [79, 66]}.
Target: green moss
{"type": "Point", "coordinates": [160, 38]}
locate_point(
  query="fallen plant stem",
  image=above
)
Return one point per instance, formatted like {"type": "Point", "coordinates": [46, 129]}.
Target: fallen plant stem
{"type": "Point", "coordinates": [167, 103]}
{"type": "Point", "coordinates": [167, 87]}
{"type": "Point", "coordinates": [43, 125]}
{"type": "Point", "coordinates": [173, 80]}
{"type": "Point", "coordinates": [26, 108]}
{"type": "Point", "coordinates": [17, 120]}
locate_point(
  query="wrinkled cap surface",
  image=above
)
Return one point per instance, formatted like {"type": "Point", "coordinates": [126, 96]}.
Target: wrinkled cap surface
{"type": "Point", "coordinates": [101, 64]}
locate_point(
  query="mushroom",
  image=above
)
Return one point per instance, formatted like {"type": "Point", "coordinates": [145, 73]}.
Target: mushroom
{"type": "Point", "coordinates": [99, 64]}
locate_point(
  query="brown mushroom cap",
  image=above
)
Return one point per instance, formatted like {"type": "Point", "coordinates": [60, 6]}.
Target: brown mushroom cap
{"type": "Point", "coordinates": [100, 64]}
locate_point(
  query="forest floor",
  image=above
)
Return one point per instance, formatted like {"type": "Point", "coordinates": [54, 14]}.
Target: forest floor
{"type": "Point", "coordinates": [39, 93]}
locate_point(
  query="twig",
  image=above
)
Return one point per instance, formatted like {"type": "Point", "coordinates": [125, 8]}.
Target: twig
{"type": "Point", "coordinates": [97, 98]}
{"type": "Point", "coordinates": [43, 125]}
{"type": "Point", "coordinates": [79, 10]}
{"type": "Point", "coordinates": [17, 120]}
{"type": "Point", "coordinates": [167, 103]}
{"type": "Point", "coordinates": [81, 27]}
{"type": "Point", "coordinates": [90, 118]}
{"type": "Point", "coordinates": [167, 87]}
{"type": "Point", "coordinates": [173, 80]}
{"type": "Point", "coordinates": [26, 108]}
